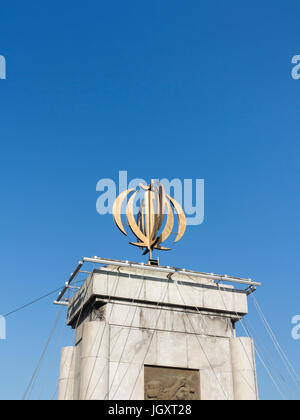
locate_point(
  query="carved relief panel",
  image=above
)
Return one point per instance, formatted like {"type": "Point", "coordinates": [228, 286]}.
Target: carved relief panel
{"type": "Point", "coordinates": [164, 383]}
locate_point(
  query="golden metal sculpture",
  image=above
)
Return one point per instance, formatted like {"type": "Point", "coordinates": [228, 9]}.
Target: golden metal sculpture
{"type": "Point", "coordinates": [147, 227]}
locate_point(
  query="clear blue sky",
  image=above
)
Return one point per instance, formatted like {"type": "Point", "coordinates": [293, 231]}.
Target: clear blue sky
{"type": "Point", "coordinates": [91, 88]}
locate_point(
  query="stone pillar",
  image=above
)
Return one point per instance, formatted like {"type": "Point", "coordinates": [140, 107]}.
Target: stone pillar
{"type": "Point", "coordinates": [67, 374]}
{"type": "Point", "coordinates": [94, 372]}
{"type": "Point", "coordinates": [179, 329]}
{"type": "Point", "coordinates": [243, 369]}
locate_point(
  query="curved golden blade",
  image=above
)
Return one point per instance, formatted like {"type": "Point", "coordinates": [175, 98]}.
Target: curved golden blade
{"type": "Point", "coordinates": [141, 217]}
{"type": "Point", "coordinates": [162, 201]}
{"type": "Point", "coordinates": [181, 218]}
{"type": "Point", "coordinates": [169, 225]}
{"type": "Point", "coordinates": [145, 187]}
{"type": "Point", "coordinates": [139, 220]}
{"type": "Point", "coordinates": [159, 207]}
{"type": "Point", "coordinates": [139, 244]}
{"type": "Point", "coordinates": [162, 248]}
{"type": "Point", "coordinates": [153, 217]}
{"type": "Point", "coordinates": [143, 228]}
{"type": "Point", "coordinates": [131, 220]}
{"type": "Point", "coordinates": [149, 216]}
{"type": "Point", "coordinates": [117, 209]}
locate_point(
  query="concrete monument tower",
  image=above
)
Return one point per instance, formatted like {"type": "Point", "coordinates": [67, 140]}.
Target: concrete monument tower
{"type": "Point", "coordinates": [147, 332]}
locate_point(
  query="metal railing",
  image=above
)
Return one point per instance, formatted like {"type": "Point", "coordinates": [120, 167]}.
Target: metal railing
{"type": "Point", "coordinates": [168, 270]}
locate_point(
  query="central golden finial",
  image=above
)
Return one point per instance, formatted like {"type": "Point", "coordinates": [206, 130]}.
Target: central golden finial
{"type": "Point", "coordinates": [147, 227]}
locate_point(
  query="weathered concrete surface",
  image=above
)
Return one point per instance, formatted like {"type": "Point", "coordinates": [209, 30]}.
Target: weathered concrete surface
{"type": "Point", "coordinates": [152, 287]}
{"type": "Point", "coordinates": [167, 319]}
{"type": "Point", "coordinates": [67, 374]}
{"type": "Point", "coordinates": [94, 378]}
{"type": "Point", "coordinates": [243, 369]}
{"type": "Point", "coordinates": [132, 349]}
